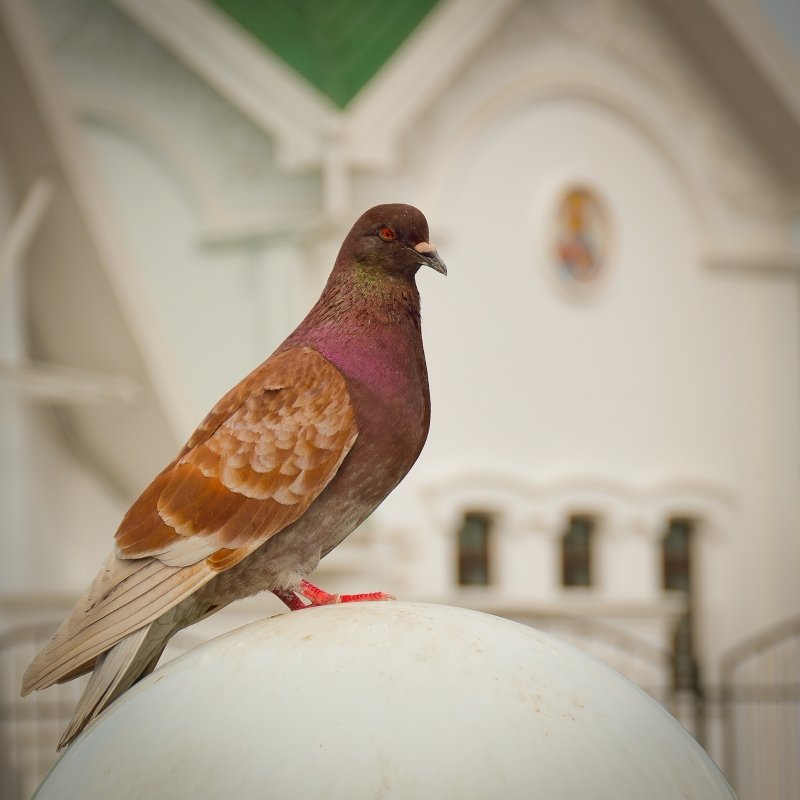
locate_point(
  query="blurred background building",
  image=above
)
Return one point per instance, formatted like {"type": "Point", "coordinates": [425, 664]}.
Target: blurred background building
{"type": "Point", "coordinates": [614, 357]}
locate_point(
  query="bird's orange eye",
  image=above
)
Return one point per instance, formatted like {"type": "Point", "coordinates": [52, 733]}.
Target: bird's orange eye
{"type": "Point", "coordinates": [387, 234]}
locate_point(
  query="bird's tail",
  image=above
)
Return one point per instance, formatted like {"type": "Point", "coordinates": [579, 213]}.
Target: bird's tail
{"type": "Point", "coordinates": [115, 671]}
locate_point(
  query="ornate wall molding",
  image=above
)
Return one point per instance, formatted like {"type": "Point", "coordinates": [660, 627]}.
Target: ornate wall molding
{"type": "Point", "coordinates": [542, 508]}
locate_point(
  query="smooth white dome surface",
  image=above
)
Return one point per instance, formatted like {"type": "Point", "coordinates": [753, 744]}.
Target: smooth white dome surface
{"type": "Point", "coordinates": [385, 700]}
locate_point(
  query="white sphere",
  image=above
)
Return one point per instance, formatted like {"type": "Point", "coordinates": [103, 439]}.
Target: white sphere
{"type": "Point", "coordinates": [385, 700]}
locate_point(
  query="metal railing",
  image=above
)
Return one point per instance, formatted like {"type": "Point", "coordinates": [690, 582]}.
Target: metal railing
{"type": "Point", "coordinates": [761, 714]}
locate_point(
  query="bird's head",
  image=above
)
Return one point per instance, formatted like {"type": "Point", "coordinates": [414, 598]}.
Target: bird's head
{"type": "Point", "coordinates": [390, 240]}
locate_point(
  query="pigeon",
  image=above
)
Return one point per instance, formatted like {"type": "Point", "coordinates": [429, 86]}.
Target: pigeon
{"type": "Point", "coordinates": [286, 465]}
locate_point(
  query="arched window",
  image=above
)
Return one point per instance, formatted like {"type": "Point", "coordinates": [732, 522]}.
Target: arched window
{"type": "Point", "coordinates": [576, 551]}
{"type": "Point", "coordinates": [473, 549]}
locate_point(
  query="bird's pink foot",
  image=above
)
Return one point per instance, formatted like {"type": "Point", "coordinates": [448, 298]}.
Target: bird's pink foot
{"type": "Point", "coordinates": [319, 597]}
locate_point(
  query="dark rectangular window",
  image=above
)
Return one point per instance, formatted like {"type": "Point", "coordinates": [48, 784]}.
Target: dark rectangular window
{"type": "Point", "coordinates": [576, 551]}
{"type": "Point", "coordinates": [676, 565]}
{"type": "Point", "coordinates": [676, 553]}
{"type": "Point", "coordinates": [473, 549]}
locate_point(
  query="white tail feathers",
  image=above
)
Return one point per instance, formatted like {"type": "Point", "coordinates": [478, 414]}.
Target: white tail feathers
{"type": "Point", "coordinates": [125, 597]}
{"type": "Point", "coordinates": [118, 628]}
{"type": "Point", "coordinates": [115, 671]}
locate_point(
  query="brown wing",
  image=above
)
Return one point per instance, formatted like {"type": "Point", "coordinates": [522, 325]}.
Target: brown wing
{"type": "Point", "coordinates": [248, 472]}
{"type": "Point", "coordinates": [254, 465]}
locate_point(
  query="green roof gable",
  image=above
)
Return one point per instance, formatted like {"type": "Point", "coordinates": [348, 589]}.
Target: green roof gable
{"type": "Point", "coordinates": [337, 45]}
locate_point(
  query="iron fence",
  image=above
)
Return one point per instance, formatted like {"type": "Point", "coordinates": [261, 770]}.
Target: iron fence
{"type": "Point", "coordinates": [760, 699]}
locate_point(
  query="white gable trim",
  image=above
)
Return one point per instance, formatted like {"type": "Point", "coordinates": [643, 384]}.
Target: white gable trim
{"type": "Point", "coordinates": [254, 80]}
{"type": "Point", "coordinates": [416, 75]}
{"type": "Point", "coordinates": [305, 124]}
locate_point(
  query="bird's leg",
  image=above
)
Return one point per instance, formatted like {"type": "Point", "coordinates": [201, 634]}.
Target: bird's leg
{"type": "Point", "coordinates": [319, 597]}
{"type": "Point", "coordinates": [290, 598]}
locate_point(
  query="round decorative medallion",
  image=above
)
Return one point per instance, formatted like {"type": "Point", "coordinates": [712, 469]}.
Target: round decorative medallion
{"type": "Point", "coordinates": [581, 238]}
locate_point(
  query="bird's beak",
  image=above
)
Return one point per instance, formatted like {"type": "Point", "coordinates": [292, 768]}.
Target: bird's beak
{"type": "Point", "coordinates": [430, 257]}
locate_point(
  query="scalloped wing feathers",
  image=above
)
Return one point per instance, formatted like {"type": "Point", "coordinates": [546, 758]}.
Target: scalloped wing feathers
{"type": "Point", "coordinates": [254, 466]}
